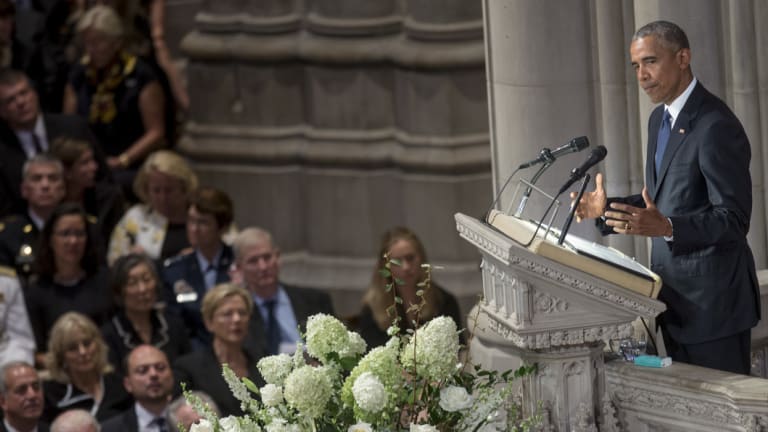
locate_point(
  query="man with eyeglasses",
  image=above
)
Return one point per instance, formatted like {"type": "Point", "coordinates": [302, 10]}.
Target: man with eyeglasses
{"type": "Point", "coordinates": [21, 398]}
{"type": "Point", "coordinates": [43, 189]}
{"type": "Point", "coordinates": [279, 309]}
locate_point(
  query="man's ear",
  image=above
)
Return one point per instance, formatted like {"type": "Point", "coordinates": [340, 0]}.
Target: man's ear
{"type": "Point", "coordinates": [684, 58]}
{"type": "Point", "coordinates": [127, 385]}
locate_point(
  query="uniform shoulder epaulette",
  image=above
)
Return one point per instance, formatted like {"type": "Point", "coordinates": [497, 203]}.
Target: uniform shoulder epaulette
{"type": "Point", "coordinates": [7, 271]}
{"type": "Point", "coordinates": [93, 220]}
{"type": "Point", "coordinates": [177, 258]}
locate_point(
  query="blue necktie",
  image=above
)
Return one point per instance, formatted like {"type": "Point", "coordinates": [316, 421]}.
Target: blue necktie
{"type": "Point", "coordinates": [273, 328]}
{"type": "Point", "coordinates": [662, 139]}
{"type": "Point", "coordinates": [160, 424]}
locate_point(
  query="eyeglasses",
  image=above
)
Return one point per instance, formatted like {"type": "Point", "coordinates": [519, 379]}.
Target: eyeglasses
{"type": "Point", "coordinates": [71, 233]}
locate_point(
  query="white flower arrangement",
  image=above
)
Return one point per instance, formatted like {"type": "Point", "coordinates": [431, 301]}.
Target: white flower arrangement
{"type": "Point", "coordinates": [413, 383]}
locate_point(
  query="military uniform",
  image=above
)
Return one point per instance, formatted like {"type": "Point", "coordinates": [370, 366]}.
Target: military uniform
{"type": "Point", "coordinates": [185, 287]}
{"type": "Point", "coordinates": [18, 244]}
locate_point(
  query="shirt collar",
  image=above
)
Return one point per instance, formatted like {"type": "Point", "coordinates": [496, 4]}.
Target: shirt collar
{"type": "Point", "coordinates": [677, 105]}
{"type": "Point", "coordinates": [145, 418]}
{"type": "Point", "coordinates": [204, 263]}
{"type": "Point", "coordinates": [280, 297]}
{"type": "Point", "coordinates": [37, 220]}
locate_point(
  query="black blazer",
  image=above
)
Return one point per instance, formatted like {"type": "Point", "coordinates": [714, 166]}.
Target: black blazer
{"type": "Point", "coordinates": [305, 303]}
{"type": "Point", "coordinates": [704, 186]}
{"type": "Point", "coordinates": [201, 370]}
{"type": "Point", "coordinates": [41, 427]}
{"type": "Point", "coordinates": [12, 162]}
{"type": "Point", "coordinates": [123, 422]}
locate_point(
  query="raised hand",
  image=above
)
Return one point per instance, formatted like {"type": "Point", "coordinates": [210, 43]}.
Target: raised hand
{"type": "Point", "coordinates": [631, 220]}
{"type": "Point", "coordinates": [592, 203]}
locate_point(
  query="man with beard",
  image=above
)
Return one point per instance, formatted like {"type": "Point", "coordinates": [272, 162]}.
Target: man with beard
{"type": "Point", "coordinates": [150, 380]}
{"type": "Point", "coordinates": [21, 398]}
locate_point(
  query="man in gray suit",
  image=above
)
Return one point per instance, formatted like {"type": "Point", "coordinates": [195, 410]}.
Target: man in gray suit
{"type": "Point", "coordinates": [279, 309]}
{"type": "Point", "coordinates": [695, 206]}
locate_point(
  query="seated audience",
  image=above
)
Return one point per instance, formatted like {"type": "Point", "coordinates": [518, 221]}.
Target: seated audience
{"type": "Point", "coordinates": [43, 190]}
{"type": "Point", "coordinates": [81, 376]}
{"type": "Point", "coordinates": [21, 398]}
{"type": "Point", "coordinates": [280, 309]}
{"type": "Point", "coordinates": [148, 378]}
{"type": "Point", "coordinates": [139, 318]}
{"type": "Point", "coordinates": [75, 420]}
{"type": "Point", "coordinates": [68, 275]}
{"type": "Point", "coordinates": [103, 201]}
{"type": "Point", "coordinates": [25, 132]}
{"type": "Point", "coordinates": [188, 276]}
{"type": "Point", "coordinates": [157, 227]}
{"type": "Point", "coordinates": [226, 311]}
{"type": "Point", "coordinates": [17, 343]}
{"type": "Point", "coordinates": [118, 93]}
{"type": "Point", "coordinates": [402, 245]}
{"type": "Point", "coordinates": [180, 412]}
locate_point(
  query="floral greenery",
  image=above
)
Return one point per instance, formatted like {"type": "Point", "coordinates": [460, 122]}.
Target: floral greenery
{"type": "Point", "coordinates": [415, 382]}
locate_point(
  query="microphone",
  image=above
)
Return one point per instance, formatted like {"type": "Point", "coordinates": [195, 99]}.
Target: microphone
{"type": "Point", "coordinates": [548, 156]}
{"type": "Point", "coordinates": [596, 155]}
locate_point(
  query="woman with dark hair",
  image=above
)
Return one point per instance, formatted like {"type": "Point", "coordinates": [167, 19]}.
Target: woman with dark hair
{"type": "Point", "coordinates": [139, 319]}
{"type": "Point", "coordinates": [81, 376]}
{"type": "Point", "coordinates": [401, 245]}
{"type": "Point", "coordinates": [69, 274]}
{"type": "Point", "coordinates": [102, 200]}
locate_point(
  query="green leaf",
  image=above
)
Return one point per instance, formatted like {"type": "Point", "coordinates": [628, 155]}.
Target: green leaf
{"type": "Point", "coordinates": [396, 262]}
{"type": "Point", "coordinates": [250, 385]}
{"type": "Point", "coordinates": [385, 273]}
{"type": "Point", "coordinates": [398, 300]}
{"type": "Point", "coordinates": [420, 293]}
{"type": "Point", "coordinates": [399, 281]}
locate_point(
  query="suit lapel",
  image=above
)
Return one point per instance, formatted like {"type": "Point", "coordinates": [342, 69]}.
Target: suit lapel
{"type": "Point", "coordinates": [677, 136]}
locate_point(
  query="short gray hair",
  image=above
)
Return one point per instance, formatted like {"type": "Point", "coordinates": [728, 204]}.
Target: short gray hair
{"type": "Point", "coordinates": [669, 34]}
{"type": "Point", "coordinates": [249, 237]}
{"type": "Point", "coordinates": [42, 158]}
{"type": "Point", "coordinates": [7, 367]}
{"type": "Point", "coordinates": [181, 401]}
{"type": "Point", "coordinates": [75, 420]}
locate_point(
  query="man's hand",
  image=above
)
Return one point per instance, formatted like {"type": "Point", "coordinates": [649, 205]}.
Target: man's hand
{"type": "Point", "coordinates": [592, 203]}
{"type": "Point", "coordinates": [646, 221]}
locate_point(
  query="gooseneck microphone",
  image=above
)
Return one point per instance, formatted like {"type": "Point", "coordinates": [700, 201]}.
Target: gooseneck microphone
{"type": "Point", "coordinates": [548, 156]}
{"type": "Point", "coordinates": [596, 155]}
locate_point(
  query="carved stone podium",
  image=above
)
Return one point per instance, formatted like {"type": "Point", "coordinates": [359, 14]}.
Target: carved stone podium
{"type": "Point", "coordinates": [539, 310]}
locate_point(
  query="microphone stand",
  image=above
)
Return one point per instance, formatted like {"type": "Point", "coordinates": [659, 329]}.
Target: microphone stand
{"type": "Point", "coordinates": [572, 212]}
{"type": "Point", "coordinates": [546, 154]}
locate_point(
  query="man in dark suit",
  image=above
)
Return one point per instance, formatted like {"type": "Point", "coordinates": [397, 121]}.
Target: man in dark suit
{"type": "Point", "coordinates": [150, 380]}
{"type": "Point", "coordinates": [25, 132]}
{"type": "Point", "coordinates": [189, 275]}
{"type": "Point", "coordinates": [695, 206]}
{"type": "Point", "coordinates": [21, 398]}
{"type": "Point", "coordinates": [279, 309]}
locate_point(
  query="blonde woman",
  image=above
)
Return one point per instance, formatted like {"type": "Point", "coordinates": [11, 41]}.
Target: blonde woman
{"type": "Point", "coordinates": [157, 226]}
{"type": "Point", "coordinates": [81, 376]}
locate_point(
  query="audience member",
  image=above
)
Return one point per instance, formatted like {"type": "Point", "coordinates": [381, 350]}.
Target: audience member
{"type": "Point", "coordinates": [118, 93]}
{"type": "Point", "coordinates": [81, 376]}
{"type": "Point", "coordinates": [75, 420]}
{"type": "Point", "coordinates": [68, 273]}
{"type": "Point", "coordinates": [25, 131]}
{"type": "Point", "coordinates": [180, 412]}
{"type": "Point", "coordinates": [150, 380]}
{"type": "Point", "coordinates": [402, 246]}
{"type": "Point", "coordinates": [140, 319]}
{"type": "Point", "coordinates": [157, 227]}
{"type": "Point", "coordinates": [102, 200]}
{"type": "Point", "coordinates": [188, 276]}
{"type": "Point", "coordinates": [17, 343]}
{"type": "Point", "coordinates": [43, 189]}
{"type": "Point", "coordinates": [21, 398]}
{"type": "Point", "coordinates": [281, 309]}
{"type": "Point", "coordinates": [19, 44]}
{"type": "Point", "coordinates": [226, 311]}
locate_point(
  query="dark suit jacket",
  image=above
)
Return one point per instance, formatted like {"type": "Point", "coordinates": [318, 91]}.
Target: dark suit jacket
{"type": "Point", "coordinates": [182, 273]}
{"type": "Point", "coordinates": [12, 162]}
{"type": "Point", "coordinates": [201, 370]}
{"type": "Point", "coordinates": [123, 422]}
{"type": "Point", "coordinates": [704, 187]}
{"type": "Point", "coordinates": [41, 427]}
{"type": "Point", "coordinates": [305, 303]}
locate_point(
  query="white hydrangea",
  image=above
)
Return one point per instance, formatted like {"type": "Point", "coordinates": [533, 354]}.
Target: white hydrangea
{"type": "Point", "coordinates": [308, 389]}
{"type": "Point", "coordinates": [355, 345]}
{"type": "Point", "coordinates": [271, 395]}
{"type": "Point", "coordinates": [455, 398]}
{"type": "Point", "coordinates": [230, 424]}
{"type": "Point", "coordinates": [275, 368]}
{"type": "Point", "coordinates": [433, 350]}
{"type": "Point", "coordinates": [369, 393]}
{"type": "Point", "coordinates": [423, 428]}
{"type": "Point", "coordinates": [201, 426]}
{"type": "Point", "coordinates": [325, 335]}
{"type": "Point", "coordinates": [360, 427]}
{"type": "Point", "coordinates": [280, 425]}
